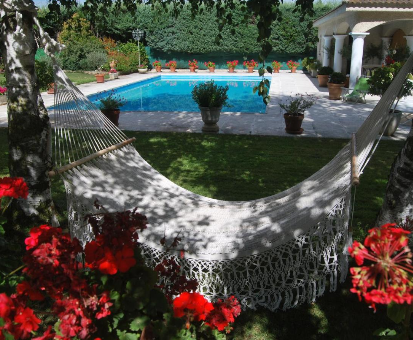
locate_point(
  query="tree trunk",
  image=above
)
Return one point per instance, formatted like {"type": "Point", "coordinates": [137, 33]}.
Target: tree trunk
{"type": "Point", "coordinates": [398, 200]}
{"type": "Point", "coordinates": [28, 122]}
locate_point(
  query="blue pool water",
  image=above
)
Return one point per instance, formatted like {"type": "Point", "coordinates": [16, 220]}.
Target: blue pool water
{"type": "Point", "coordinates": [173, 93]}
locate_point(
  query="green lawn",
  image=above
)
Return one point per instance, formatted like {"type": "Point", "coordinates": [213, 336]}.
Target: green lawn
{"type": "Point", "coordinates": [76, 77]}
{"type": "Point", "coordinates": [235, 167]}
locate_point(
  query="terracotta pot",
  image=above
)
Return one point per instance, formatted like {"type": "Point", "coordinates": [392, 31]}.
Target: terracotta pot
{"type": "Point", "coordinates": [50, 90]}
{"type": "Point", "coordinates": [100, 78]}
{"type": "Point", "coordinates": [158, 68]}
{"type": "Point", "coordinates": [293, 124]}
{"type": "Point", "coordinates": [172, 68]}
{"type": "Point", "coordinates": [334, 91]}
{"type": "Point", "coordinates": [231, 69]}
{"type": "Point", "coordinates": [322, 80]}
{"type": "Point", "coordinates": [210, 117]}
{"type": "Point", "coordinates": [276, 70]}
{"type": "Point", "coordinates": [211, 69]}
{"type": "Point", "coordinates": [191, 68]}
{"type": "Point", "coordinates": [113, 115]}
{"type": "Point", "coordinates": [293, 69]}
{"type": "Point", "coordinates": [250, 69]}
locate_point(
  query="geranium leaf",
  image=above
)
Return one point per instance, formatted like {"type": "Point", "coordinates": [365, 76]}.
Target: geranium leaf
{"type": "Point", "coordinates": [157, 303]}
{"type": "Point", "coordinates": [2, 323]}
{"type": "Point", "coordinates": [396, 312]}
{"type": "Point", "coordinates": [8, 336]}
{"type": "Point", "coordinates": [116, 319]}
{"type": "Point", "coordinates": [104, 279]}
{"type": "Point", "coordinates": [126, 336]}
{"type": "Point", "coordinates": [139, 323]}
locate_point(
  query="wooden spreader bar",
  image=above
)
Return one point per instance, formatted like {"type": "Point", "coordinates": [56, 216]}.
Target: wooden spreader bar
{"type": "Point", "coordinates": [90, 157]}
{"type": "Point", "coordinates": [355, 179]}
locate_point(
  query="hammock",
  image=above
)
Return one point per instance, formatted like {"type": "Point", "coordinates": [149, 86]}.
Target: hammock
{"type": "Point", "coordinates": [274, 252]}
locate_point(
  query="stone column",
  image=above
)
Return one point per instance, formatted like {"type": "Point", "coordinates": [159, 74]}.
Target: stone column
{"type": "Point", "coordinates": [356, 56]}
{"type": "Point", "coordinates": [327, 44]}
{"type": "Point", "coordinates": [409, 39]}
{"type": "Point", "coordinates": [338, 58]}
{"type": "Point", "coordinates": [385, 41]}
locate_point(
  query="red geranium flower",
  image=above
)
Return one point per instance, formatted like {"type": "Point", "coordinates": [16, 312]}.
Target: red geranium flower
{"type": "Point", "coordinates": [193, 306]}
{"type": "Point", "coordinates": [14, 187]}
{"type": "Point", "coordinates": [125, 259]}
{"type": "Point", "coordinates": [6, 305]}
{"type": "Point", "coordinates": [386, 279]}
{"type": "Point", "coordinates": [25, 288]}
{"type": "Point", "coordinates": [108, 264]}
{"type": "Point", "coordinates": [29, 322]}
{"type": "Point", "coordinates": [48, 335]}
{"type": "Point", "coordinates": [223, 314]}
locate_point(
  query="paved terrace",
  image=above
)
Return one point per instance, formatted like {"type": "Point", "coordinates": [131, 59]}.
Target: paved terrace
{"type": "Point", "coordinates": [327, 118]}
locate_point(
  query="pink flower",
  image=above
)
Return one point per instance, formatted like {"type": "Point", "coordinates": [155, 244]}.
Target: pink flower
{"type": "Point", "coordinates": [3, 90]}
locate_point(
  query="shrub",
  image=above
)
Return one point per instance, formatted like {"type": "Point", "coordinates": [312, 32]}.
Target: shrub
{"type": "Point", "coordinates": [44, 73]}
{"type": "Point", "coordinates": [74, 56]}
{"type": "Point", "coordinates": [325, 71]}
{"type": "Point", "coordinates": [209, 94]}
{"type": "Point", "coordinates": [96, 59]}
{"type": "Point", "coordinates": [337, 78]}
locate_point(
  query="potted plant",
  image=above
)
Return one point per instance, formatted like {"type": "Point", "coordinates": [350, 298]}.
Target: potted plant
{"type": "Point", "coordinates": [158, 65]}
{"type": "Point", "coordinates": [335, 85]}
{"type": "Point", "coordinates": [193, 65]}
{"type": "Point", "coordinates": [142, 68]}
{"type": "Point", "coordinates": [171, 65]}
{"type": "Point", "coordinates": [276, 65]}
{"type": "Point", "coordinates": [292, 65]}
{"type": "Point", "coordinates": [313, 66]}
{"type": "Point", "coordinates": [210, 65]}
{"type": "Point", "coordinates": [231, 65]}
{"type": "Point", "coordinates": [100, 76]}
{"type": "Point", "coordinates": [379, 83]}
{"type": "Point", "coordinates": [110, 106]}
{"type": "Point", "coordinates": [3, 95]}
{"type": "Point", "coordinates": [250, 65]}
{"type": "Point", "coordinates": [294, 108]}
{"type": "Point", "coordinates": [323, 74]}
{"type": "Point", "coordinates": [210, 99]}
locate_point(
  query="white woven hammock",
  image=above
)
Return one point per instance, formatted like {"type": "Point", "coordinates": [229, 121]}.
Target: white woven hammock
{"type": "Point", "coordinates": [274, 252]}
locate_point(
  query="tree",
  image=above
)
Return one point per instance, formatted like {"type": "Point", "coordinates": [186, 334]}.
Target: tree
{"type": "Point", "coordinates": [29, 126]}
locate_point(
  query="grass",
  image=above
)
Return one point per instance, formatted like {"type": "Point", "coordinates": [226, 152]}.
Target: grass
{"type": "Point", "coordinates": [233, 167]}
{"type": "Point", "coordinates": [77, 78]}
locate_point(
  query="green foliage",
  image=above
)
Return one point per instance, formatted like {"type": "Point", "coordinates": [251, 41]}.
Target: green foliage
{"type": "Point", "coordinates": [94, 60]}
{"type": "Point", "coordinates": [209, 94]}
{"type": "Point", "coordinates": [372, 51]}
{"type": "Point", "coordinates": [325, 71]}
{"type": "Point", "coordinates": [79, 41]}
{"type": "Point", "coordinates": [295, 106]}
{"type": "Point", "coordinates": [382, 78]}
{"type": "Point", "coordinates": [337, 78]}
{"type": "Point", "coordinates": [111, 101]}
{"type": "Point", "coordinates": [44, 73]}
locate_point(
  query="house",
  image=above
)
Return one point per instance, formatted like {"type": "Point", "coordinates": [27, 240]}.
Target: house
{"type": "Point", "coordinates": [364, 26]}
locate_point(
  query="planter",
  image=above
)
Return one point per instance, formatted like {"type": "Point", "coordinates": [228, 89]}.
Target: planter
{"type": "Point", "coordinates": [173, 69]}
{"type": "Point", "coordinates": [113, 75]}
{"type": "Point", "coordinates": [158, 68]}
{"type": "Point", "coordinates": [393, 123]}
{"type": "Point", "coordinates": [231, 69]}
{"type": "Point", "coordinates": [250, 69]}
{"type": "Point", "coordinates": [293, 69]}
{"type": "Point", "coordinates": [100, 78]}
{"type": "Point", "coordinates": [112, 115]}
{"type": "Point", "coordinates": [293, 124]}
{"type": "Point", "coordinates": [142, 70]}
{"type": "Point", "coordinates": [334, 91]}
{"type": "Point", "coordinates": [3, 100]}
{"type": "Point", "coordinates": [50, 90]}
{"type": "Point", "coordinates": [313, 73]}
{"type": "Point", "coordinates": [210, 117]}
{"type": "Point", "coordinates": [191, 68]}
{"type": "Point", "coordinates": [322, 80]}
{"type": "Point", "coordinates": [276, 70]}
{"type": "Point", "coordinates": [211, 69]}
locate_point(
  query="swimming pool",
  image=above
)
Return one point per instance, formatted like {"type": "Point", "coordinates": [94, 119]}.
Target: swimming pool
{"type": "Point", "coordinates": [173, 93]}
